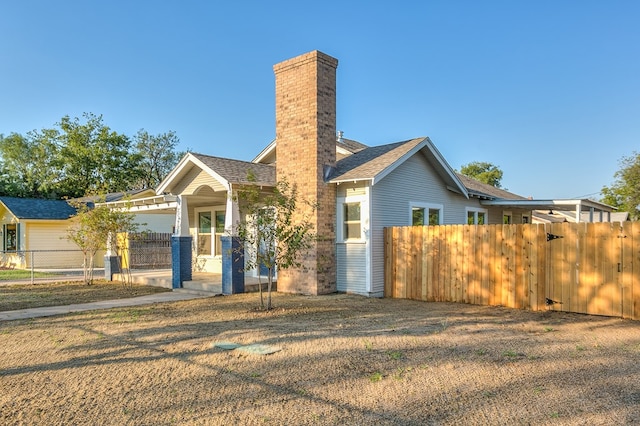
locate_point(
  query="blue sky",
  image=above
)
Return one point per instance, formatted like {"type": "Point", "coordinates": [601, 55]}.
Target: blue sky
{"type": "Point", "coordinates": [549, 91]}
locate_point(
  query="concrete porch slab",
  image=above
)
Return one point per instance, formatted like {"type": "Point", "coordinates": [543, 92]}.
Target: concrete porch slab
{"type": "Point", "coordinates": [202, 282]}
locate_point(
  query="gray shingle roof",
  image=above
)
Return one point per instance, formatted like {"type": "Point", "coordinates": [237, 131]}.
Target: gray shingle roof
{"type": "Point", "coordinates": [484, 190]}
{"type": "Point", "coordinates": [369, 162]}
{"type": "Point", "coordinates": [351, 145]}
{"type": "Point", "coordinates": [236, 171]}
{"type": "Point", "coordinates": [33, 208]}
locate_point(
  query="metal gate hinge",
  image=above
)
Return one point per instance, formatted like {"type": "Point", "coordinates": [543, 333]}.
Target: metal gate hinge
{"type": "Point", "coordinates": [553, 237]}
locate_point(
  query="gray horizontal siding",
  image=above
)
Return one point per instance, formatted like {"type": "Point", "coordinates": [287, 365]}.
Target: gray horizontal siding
{"type": "Point", "coordinates": [352, 268]}
{"type": "Point", "coordinates": [413, 181]}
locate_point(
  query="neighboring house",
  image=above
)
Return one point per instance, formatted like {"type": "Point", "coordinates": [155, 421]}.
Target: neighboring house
{"type": "Point", "coordinates": [359, 190]}
{"type": "Point", "coordinates": [555, 216]}
{"type": "Point", "coordinates": [35, 224]}
{"type": "Point", "coordinates": [39, 226]}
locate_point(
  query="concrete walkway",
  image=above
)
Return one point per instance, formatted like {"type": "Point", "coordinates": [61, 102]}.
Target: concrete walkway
{"type": "Point", "coordinates": [172, 296]}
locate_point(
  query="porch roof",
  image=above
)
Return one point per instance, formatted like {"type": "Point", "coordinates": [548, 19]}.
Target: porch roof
{"type": "Point", "coordinates": [226, 171]}
{"type": "Point", "coordinates": [237, 171]}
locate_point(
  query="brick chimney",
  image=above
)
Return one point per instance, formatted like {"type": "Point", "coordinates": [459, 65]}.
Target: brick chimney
{"type": "Point", "coordinates": [305, 147]}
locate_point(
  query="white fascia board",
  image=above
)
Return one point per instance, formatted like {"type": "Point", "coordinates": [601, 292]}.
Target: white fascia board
{"type": "Point", "coordinates": [212, 173]}
{"type": "Point", "coordinates": [188, 159]}
{"type": "Point", "coordinates": [426, 142]}
{"type": "Point", "coordinates": [162, 188]}
{"type": "Point", "coordinates": [265, 152]}
{"type": "Point", "coordinates": [447, 168]}
{"type": "Point", "coordinates": [159, 202]}
{"type": "Point", "coordinates": [391, 167]}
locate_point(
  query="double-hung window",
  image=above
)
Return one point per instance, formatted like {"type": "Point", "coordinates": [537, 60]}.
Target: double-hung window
{"type": "Point", "coordinates": [426, 214]}
{"type": "Point", "coordinates": [476, 216]}
{"type": "Point", "coordinates": [210, 229]}
{"type": "Point", "coordinates": [352, 229]}
{"type": "Point", "coordinates": [352, 213]}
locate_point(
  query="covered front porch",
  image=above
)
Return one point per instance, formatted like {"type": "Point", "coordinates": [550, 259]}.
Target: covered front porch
{"type": "Point", "coordinates": [202, 193]}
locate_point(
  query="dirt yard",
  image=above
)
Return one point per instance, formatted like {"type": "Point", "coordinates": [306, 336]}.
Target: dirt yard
{"type": "Point", "coordinates": [342, 360]}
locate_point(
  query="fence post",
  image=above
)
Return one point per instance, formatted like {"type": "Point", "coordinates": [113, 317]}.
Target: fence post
{"type": "Point", "coordinates": [32, 271]}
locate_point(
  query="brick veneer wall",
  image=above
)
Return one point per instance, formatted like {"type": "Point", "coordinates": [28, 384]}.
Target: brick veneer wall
{"type": "Point", "coordinates": [305, 145]}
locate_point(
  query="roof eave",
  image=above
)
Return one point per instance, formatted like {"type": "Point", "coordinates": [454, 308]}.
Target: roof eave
{"type": "Point", "coordinates": [549, 203]}
{"type": "Point", "coordinates": [352, 180]}
{"type": "Point", "coordinates": [193, 159]}
{"type": "Point", "coordinates": [457, 183]}
{"type": "Point", "coordinates": [265, 152]}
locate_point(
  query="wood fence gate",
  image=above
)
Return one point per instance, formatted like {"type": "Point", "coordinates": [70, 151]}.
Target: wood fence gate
{"type": "Point", "coordinates": [591, 268]}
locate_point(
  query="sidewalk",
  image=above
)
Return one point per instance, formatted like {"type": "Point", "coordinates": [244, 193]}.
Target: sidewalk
{"type": "Point", "coordinates": [172, 296]}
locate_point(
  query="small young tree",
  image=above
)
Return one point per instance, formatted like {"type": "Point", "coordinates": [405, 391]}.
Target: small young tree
{"type": "Point", "coordinates": [272, 230]}
{"type": "Point", "coordinates": [94, 229]}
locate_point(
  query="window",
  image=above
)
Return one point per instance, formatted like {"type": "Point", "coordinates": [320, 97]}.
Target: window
{"type": "Point", "coordinates": [219, 232]}
{"type": "Point", "coordinates": [204, 234]}
{"type": "Point", "coordinates": [507, 218]}
{"type": "Point", "coordinates": [10, 237]}
{"type": "Point", "coordinates": [482, 218]}
{"type": "Point", "coordinates": [417, 216]}
{"type": "Point", "coordinates": [351, 222]}
{"type": "Point", "coordinates": [434, 217]}
{"type": "Point", "coordinates": [352, 218]}
{"type": "Point", "coordinates": [476, 216]}
{"type": "Point", "coordinates": [425, 214]}
{"type": "Point", "coordinates": [210, 229]}
{"type": "Point", "coordinates": [525, 219]}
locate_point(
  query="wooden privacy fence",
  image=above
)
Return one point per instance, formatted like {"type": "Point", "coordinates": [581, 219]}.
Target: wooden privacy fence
{"type": "Point", "coordinates": [591, 268]}
{"type": "Point", "coordinates": [145, 250]}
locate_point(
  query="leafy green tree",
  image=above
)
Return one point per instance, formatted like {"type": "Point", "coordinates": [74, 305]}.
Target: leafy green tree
{"type": "Point", "coordinates": [483, 172]}
{"type": "Point", "coordinates": [269, 235]}
{"type": "Point", "coordinates": [28, 167]}
{"type": "Point", "coordinates": [94, 159]}
{"type": "Point", "coordinates": [83, 157]}
{"type": "Point", "coordinates": [624, 193]}
{"type": "Point", "coordinates": [157, 155]}
{"type": "Point", "coordinates": [95, 228]}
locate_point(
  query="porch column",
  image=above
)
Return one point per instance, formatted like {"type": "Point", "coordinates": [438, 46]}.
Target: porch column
{"type": "Point", "coordinates": [232, 251]}
{"type": "Point", "coordinates": [181, 245]}
{"type": "Point", "coordinates": [182, 217]}
{"type": "Point", "coordinates": [578, 213]}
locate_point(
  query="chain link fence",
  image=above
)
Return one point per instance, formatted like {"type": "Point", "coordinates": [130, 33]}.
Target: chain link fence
{"type": "Point", "coordinates": [31, 266]}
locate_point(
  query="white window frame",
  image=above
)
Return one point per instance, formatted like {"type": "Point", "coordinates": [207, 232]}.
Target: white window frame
{"type": "Point", "coordinates": [212, 210]}
{"type": "Point", "coordinates": [475, 211]}
{"type": "Point", "coordinates": [426, 207]}
{"type": "Point", "coordinates": [364, 215]}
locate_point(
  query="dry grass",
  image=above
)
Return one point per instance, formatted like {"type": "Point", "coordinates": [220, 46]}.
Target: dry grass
{"type": "Point", "coordinates": [23, 296]}
{"type": "Point", "coordinates": [344, 360]}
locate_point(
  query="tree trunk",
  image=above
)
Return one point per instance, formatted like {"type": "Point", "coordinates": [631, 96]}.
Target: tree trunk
{"type": "Point", "coordinates": [270, 283]}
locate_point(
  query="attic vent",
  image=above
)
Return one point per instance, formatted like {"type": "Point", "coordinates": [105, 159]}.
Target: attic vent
{"type": "Point", "coordinates": [339, 136]}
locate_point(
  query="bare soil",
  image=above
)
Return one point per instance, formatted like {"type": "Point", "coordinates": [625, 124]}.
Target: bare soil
{"type": "Point", "coordinates": [342, 360]}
